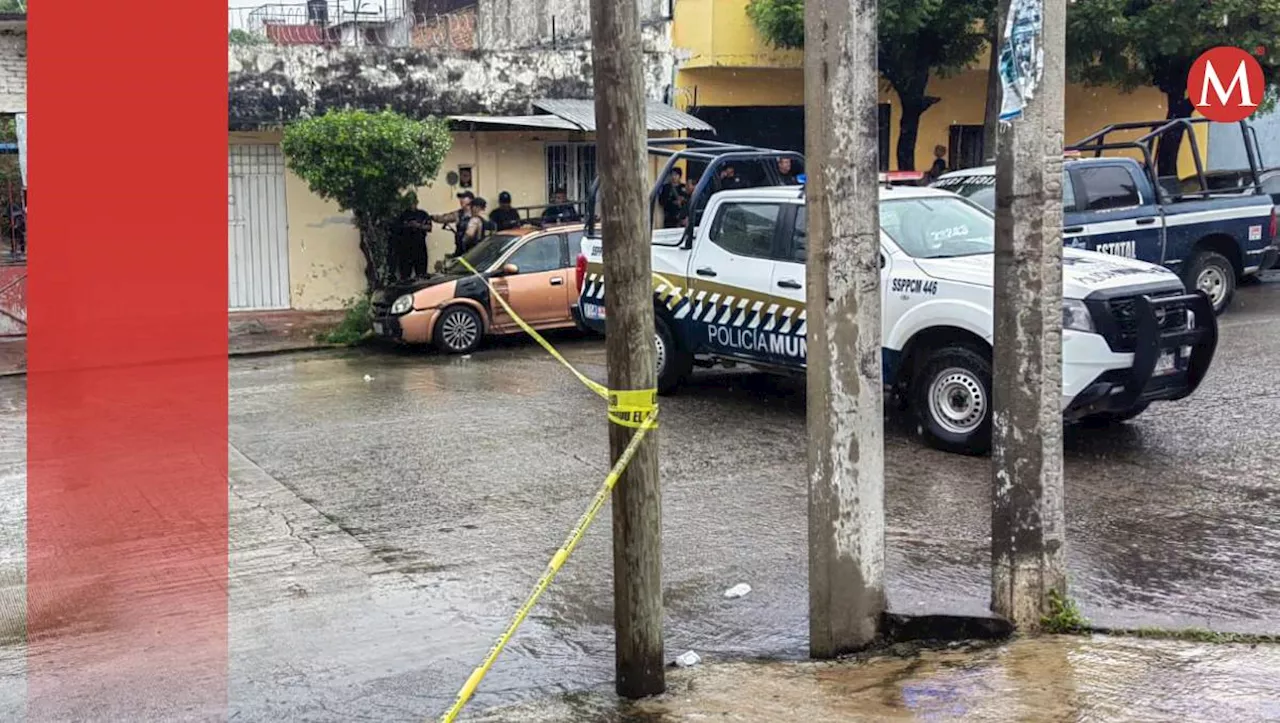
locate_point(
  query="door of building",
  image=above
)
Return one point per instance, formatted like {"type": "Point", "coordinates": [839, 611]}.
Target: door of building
{"type": "Point", "coordinates": [258, 233]}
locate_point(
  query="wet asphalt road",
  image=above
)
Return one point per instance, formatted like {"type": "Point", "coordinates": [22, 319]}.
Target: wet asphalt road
{"type": "Point", "coordinates": [384, 530]}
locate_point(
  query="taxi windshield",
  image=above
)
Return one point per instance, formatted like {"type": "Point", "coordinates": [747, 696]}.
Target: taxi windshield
{"type": "Point", "coordinates": [935, 227]}
{"type": "Point", "coordinates": [484, 254]}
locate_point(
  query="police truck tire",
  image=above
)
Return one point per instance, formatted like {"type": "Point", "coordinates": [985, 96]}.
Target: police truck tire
{"type": "Point", "coordinates": [1213, 273]}
{"type": "Point", "coordinates": [951, 394]}
{"type": "Point", "coordinates": [673, 363]}
{"type": "Point", "coordinates": [459, 330]}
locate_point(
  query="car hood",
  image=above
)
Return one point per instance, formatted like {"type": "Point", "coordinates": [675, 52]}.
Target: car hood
{"type": "Point", "coordinates": [391, 293]}
{"type": "Point", "coordinates": [1083, 272]}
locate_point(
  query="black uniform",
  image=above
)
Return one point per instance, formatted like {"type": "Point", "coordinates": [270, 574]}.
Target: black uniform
{"type": "Point", "coordinates": [674, 198]}
{"type": "Point", "coordinates": [504, 218]}
{"type": "Point", "coordinates": [410, 244]}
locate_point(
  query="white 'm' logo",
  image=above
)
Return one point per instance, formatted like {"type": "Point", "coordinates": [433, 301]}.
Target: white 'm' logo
{"type": "Point", "coordinates": [1241, 78]}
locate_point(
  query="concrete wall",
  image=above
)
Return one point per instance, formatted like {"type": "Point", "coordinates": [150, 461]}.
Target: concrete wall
{"type": "Point", "coordinates": [271, 85]}
{"type": "Point", "coordinates": [531, 23]}
{"type": "Point", "coordinates": [13, 71]}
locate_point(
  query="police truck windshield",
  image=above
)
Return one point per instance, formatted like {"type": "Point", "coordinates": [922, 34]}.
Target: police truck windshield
{"type": "Point", "coordinates": [938, 227]}
{"type": "Point", "coordinates": [977, 188]}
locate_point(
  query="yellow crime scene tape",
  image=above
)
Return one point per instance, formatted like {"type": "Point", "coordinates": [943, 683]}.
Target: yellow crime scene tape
{"type": "Point", "coordinates": [637, 409]}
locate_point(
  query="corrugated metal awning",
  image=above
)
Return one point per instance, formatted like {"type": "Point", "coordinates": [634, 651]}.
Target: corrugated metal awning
{"type": "Point", "coordinates": [658, 116]}
{"type": "Point", "coordinates": [520, 121]}
{"type": "Point", "coordinates": [580, 115]}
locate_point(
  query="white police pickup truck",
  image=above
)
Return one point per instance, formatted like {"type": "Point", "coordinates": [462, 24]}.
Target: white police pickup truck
{"type": "Point", "coordinates": [734, 292]}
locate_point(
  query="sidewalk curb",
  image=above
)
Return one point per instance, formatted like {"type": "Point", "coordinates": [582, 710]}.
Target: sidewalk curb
{"type": "Point", "coordinates": [246, 354]}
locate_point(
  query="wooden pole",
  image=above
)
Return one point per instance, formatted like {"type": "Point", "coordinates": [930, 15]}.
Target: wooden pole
{"type": "Point", "coordinates": [1028, 538]}
{"type": "Point", "coordinates": [845, 403]}
{"type": "Point", "coordinates": [624, 200]}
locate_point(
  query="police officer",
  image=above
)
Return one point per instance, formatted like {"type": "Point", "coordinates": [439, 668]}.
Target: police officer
{"type": "Point", "coordinates": [458, 218]}
{"type": "Point", "coordinates": [474, 228]}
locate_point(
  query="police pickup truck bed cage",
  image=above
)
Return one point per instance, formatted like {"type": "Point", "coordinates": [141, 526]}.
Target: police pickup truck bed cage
{"type": "Point", "coordinates": [1169, 189]}
{"type": "Point", "coordinates": [533, 215]}
{"type": "Point", "coordinates": [712, 157]}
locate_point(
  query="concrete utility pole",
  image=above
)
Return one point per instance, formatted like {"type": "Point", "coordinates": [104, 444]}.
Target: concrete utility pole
{"type": "Point", "coordinates": [846, 425]}
{"type": "Point", "coordinates": [623, 208]}
{"type": "Point", "coordinates": [991, 114]}
{"type": "Point", "coordinates": [1028, 538]}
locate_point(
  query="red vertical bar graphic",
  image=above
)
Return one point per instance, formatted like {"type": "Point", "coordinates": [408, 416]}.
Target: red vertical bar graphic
{"type": "Point", "coordinates": [127, 347]}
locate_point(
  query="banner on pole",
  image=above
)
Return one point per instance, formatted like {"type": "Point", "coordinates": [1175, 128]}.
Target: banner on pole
{"type": "Point", "coordinates": [1021, 57]}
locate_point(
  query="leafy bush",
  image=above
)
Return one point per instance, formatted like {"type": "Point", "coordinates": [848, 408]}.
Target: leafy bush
{"type": "Point", "coordinates": [781, 22]}
{"type": "Point", "coordinates": [244, 37]}
{"type": "Point", "coordinates": [369, 164]}
{"type": "Point", "coordinates": [354, 328]}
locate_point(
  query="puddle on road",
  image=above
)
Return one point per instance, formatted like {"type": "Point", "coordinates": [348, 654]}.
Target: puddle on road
{"type": "Point", "coordinates": [1040, 679]}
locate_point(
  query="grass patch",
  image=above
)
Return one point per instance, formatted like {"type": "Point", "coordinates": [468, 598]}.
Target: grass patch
{"type": "Point", "coordinates": [355, 327]}
{"type": "Point", "coordinates": [1064, 616]}
{"type": "Point", "coordinates": [1194, 635]}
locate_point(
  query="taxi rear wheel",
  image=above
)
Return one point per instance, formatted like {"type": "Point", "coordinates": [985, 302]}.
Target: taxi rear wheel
{"type": "Point", "coordinates": [952, 400]}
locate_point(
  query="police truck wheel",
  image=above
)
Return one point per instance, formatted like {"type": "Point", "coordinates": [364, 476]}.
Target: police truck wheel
{"type": "Point", "coordinates": [1213, 274]}
{"type": "Point", "coordinates": [458, 330]}
{"type": "Point", "coordinates": [1103, 419]}
{"type": "Point", "coordinates": [952, 400]}
{"type": "Point", "coordinates": [673, 364]}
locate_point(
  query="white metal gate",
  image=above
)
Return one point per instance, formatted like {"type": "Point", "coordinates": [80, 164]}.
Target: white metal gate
{"type": "Point", "coordinates": [258, 257]}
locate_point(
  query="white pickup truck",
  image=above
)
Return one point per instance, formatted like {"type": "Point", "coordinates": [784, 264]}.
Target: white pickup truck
{"type": "Point", "coordinates": [734, 292]}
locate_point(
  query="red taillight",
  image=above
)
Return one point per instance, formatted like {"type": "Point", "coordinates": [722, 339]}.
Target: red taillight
{"type": "Point", "coordinates": [580, 270]}
{"type": "Point", "coordinates": [1274, 229]}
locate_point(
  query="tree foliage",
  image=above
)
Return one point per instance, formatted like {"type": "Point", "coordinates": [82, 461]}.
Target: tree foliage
{"type": "Point", "coordinates": [917, 39]}
{"type": "Point", "coordinates": [781, 22]}
{"type": "Point", "coordinates": [13, 6]}
{"type": "Point", "coordinates": [369, 164]}
{"type": "Point", "coordinates": [1136, 43]}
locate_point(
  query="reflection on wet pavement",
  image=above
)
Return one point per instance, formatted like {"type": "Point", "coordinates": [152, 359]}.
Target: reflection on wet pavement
{"type": "Point", "coordinates": [1044, 679]}
{"type": "Point", "coordinates": [383, 531]}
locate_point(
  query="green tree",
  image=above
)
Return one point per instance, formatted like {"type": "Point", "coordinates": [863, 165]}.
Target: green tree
{"type": "Point", "coordinates": [13, 6]}
{"type": "Point", "coordinates": [369, 164]}
{"type": "Point", "coordinates": [1136, 43]}
{"type": "Point", "coordinates": [917, 39]}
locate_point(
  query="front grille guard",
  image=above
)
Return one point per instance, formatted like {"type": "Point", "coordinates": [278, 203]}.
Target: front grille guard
{"type": "Point", "coordinates": [1152, 341]}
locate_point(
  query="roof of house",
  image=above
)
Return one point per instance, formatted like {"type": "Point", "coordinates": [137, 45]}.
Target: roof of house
{"type": "Point", "coordinates": [580, 115]}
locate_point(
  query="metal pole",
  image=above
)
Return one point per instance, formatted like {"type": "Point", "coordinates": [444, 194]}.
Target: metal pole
{"type": "Point", "coordinates": [845, 421]}
{"type": "Point", "coordinates": [637, 503]}
{"type": "Point", "coordinates": [1028, 539]}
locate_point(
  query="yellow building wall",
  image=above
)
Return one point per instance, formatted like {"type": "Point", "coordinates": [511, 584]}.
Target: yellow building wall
{"type": "Point", "coordinates": [325, 264]}
{"type": "Point", "coordinates": [728, 63]}
{"type": "Point", "coordinates": [718, 33]}
{"type": "Point", "coordinates": [326, 268]}
{"type": "Point", "coordinates": [963, 102]}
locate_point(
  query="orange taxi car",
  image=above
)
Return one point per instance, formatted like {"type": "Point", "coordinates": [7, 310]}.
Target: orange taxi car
{"type": "Point", "coordinates": [531, 268]}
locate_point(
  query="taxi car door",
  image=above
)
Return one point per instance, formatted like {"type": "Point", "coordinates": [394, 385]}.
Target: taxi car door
{"type": "Point", "coordinates": [539, 290]}
{"type": "Point", "coordinates": [729, 277]}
